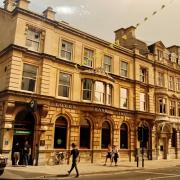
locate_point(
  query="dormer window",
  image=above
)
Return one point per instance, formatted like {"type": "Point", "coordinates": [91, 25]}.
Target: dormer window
{"type": "Point", "coordinates": [160, 55]}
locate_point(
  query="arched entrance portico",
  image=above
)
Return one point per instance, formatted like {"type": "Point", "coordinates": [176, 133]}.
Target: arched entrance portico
{"type": "Point", "coordinates": [24, 130]}
{"type": "Point", "coordinates": [164, 133]}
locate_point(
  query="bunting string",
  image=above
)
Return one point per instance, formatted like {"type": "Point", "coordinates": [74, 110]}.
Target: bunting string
{"type": "Point", "coordinates": [163, 6]}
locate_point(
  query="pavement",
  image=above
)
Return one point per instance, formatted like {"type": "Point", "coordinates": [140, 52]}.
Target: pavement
{"type": "Point", "coordinates": [84, 169]}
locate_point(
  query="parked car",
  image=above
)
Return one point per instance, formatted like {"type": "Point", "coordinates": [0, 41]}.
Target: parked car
{"type": "Point", "coordinates": [3, 163]}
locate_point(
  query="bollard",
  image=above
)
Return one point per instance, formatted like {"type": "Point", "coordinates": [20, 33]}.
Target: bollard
{"type": "Point", "coordinates": [143, 162]}
{"type": "Point", "coordinates": [137, 159]}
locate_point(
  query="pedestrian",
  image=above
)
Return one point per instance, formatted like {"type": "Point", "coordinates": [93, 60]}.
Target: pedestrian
{"type": "Point", "coordinates": [109, 154]}
{"type": "Point", "coordinates": [115, 155]}
{"type": "Point", "coordinates": [26, 153]}
{"type": "Point", "coordinates": [75, 155]}
{"type": "Point", "coordinates": [17, 150]}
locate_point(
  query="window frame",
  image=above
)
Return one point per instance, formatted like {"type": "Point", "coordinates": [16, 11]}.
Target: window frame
{"type": "Point", "coordinates": [124, 98]}
{"type": "Point", "coordinates": [162, 105]}
{"type": "Point", "coordinates": [143, 77]}
{"type": "Point", "coordinates": [92, 91]}
{"type": "Point", "coordinates": [107, 65]}
{"type": "Point", "coordinates": [99, 92]}
{"type": "Point", "coordinates": [172, 107]}
{"type": "Point", "coordinates": [123, 69]}
{"type": "Point", "coordinates": [102, 133]}
{"type": "Point", "coordinates": [109, 96]}
{"type": "Point", "coordinates": [89, 134]}
{"type": "Point", "coordinates": [66, 51]}
{"type": "Point", "coordinates": [32, 40]}
{"type": "Point", "coordinates": [178, 84]}
{"type": "Point", "coordinates": [60, 127]}
{"type": "Point", "coordinates": [127, 138]}
{"type": "Point", "coordinates": [144, 102]}
{"type": "Point", "coordinates": [171, 82]}
{"type": "Point", "coordinates": [70, 86]}
{"type": "Point", "coordinates": [91, 59]}
{"type": "Point", "coordinates": [160, 79]}
{"type": "Point", "coordinates": [36, 79]}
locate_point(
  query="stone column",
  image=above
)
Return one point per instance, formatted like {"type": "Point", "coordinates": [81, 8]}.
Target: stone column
{"type": "Point", "coordinates": [154, 144]}
{"type": "Point", "coordinates": [168, 148]}
{"type": "Point", "coordinates": [178, 144]}
{"type": "Point", "coordinates": [96, 142]}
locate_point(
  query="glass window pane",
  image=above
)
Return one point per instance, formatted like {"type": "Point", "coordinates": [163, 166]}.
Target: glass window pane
{"type": "Point", "coordinates": [60, 136]}
{"type": "Point", "coordinates": [29, 77]}
{"type": "Point", "coordinates": [105, 135]}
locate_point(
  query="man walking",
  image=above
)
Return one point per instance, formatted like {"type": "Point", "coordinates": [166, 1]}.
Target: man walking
{"type": "Point", "coordinates": [75, 155]}
{"type": "Point", "coordinates": [27, 153]}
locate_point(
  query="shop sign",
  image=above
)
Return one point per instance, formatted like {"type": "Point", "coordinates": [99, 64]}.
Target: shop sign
{"type": "Point", "coordinates": [100, 109]}
{"type": "Point", "coordinates": [69, 106]}
{"type": "Point", "coordinates": [123, 114]}
{"type": "Point", "coordinates": [19, 132]}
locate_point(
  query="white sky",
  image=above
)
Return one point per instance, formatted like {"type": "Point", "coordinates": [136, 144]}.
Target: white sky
{"type": "Point", "coordinates": [102, 17]}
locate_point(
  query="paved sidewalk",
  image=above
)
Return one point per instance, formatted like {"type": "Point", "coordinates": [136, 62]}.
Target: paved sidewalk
{"type": "Point", "coordinates": [88, 168]}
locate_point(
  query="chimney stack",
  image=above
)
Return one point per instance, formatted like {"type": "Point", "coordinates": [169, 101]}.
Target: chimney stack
{"type": "Point", "coordinates": [9, 5]}
{"type": "Point", "coordinates": [49, 13]}
{"type": "Point", "coordinates": [23, 4]}
{"type": "Point", "coordinates": [124, 34]}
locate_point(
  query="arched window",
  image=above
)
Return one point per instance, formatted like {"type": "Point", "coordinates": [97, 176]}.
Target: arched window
{"type": "Point", "coordinates": [85, 134]}
{"type": "Point", "coordinates": [105, 135]}
{"type": "Point", "coordinates": [60, 136]}
{"type": "Point", "coordinates": [173, 138]}
{"type": "Point", "coordinates": [124, 136]}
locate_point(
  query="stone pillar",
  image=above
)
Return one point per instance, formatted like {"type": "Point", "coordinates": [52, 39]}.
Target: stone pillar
{"type": "Point", "coordinates": [178, 144]}
{"type": "Point", "coordinates": [169, 148]}
{"type": "Point", "coordinates": [96, 142]}
{"type": "Point", "coordinates": [154, 144]}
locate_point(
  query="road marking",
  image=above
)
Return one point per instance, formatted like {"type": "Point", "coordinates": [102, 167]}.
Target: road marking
{"type": "Point", "coordinates": [163, 177]}
{"type": "Point", "coordinates": [83, 175]}
{"type": "Point", "coordinates": [149, 172]}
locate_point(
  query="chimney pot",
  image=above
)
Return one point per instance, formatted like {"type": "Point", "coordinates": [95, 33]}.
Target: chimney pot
{"type": "Point", "coordinates": [9, 5]}
{"type": "Point", "coordinates": [49, 13]}
{"type": "Point", "coordinates": [23, 4]}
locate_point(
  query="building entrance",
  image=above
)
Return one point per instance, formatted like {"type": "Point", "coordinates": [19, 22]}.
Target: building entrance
{"type": "Point", "coordinates": [23, 131]}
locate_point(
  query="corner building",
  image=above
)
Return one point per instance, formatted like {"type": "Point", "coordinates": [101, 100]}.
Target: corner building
{"type": "Point", "coordinates": [84, 89]}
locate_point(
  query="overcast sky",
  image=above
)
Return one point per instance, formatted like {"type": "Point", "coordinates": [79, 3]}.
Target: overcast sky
{"type": "Point", "coordinates": [102, 17]}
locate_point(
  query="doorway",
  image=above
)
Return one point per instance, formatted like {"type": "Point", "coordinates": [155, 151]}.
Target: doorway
{"type": "Point", "coordinates": [24, 131]}
{"type": "Point", "coordinates": [163, 148]}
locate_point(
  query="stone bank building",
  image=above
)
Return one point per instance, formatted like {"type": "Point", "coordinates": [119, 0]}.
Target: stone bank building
{"type": "Point", "coordinates": [85, 90]}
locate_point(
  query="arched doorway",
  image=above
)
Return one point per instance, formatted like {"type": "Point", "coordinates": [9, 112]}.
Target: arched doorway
{"type": "Point", "coordinates": [124, 136]}
{"type": "Point", "coordinates": [163, 142]}
{"type": "Point", "coordinates": [60, 136]}
{"type": "Point", "coordinates": [24, 131]}
{"type": "Point", "coordinates": [85, 130]}
{"type": "Point", "coordinates": [105, 135]}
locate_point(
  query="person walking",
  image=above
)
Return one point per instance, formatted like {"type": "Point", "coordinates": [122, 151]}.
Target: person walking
{"type": "Point", "coordinates": [26, 153]}
{"type": "Point", "coordinates": [115, 155]}
{"type": "Point", "coordinates": [17, 151]}
{"type": "Point", "coordinates": [109, 154]}
{"type": "Point", "coordinates": [75, 155]}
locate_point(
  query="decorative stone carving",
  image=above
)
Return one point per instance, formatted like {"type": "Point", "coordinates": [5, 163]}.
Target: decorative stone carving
{"type": "Point", "coordinates": [99, 71]}
{"type": "Point", "coordinates": [44, 111]}
{"type": "Point", "coordinates": [9, 107]}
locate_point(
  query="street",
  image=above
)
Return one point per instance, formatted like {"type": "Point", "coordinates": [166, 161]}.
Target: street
{"type": "Point", "coordinates": [141, 174]}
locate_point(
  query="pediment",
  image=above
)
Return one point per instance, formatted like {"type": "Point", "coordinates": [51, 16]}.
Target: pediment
{"type": "Point", "coordinates": [98, 72]}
